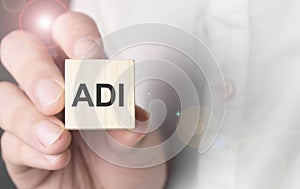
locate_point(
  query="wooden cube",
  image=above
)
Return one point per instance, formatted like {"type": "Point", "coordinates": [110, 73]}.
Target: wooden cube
{"type": "Point", "coordinates": [99, 94]}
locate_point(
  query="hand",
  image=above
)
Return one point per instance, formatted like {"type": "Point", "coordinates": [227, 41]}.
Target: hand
{"type": "Point", "coordinates": [37, 150]}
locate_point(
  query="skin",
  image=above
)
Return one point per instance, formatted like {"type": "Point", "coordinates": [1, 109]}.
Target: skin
{"type": "Point", "coordinates": [37, 150]}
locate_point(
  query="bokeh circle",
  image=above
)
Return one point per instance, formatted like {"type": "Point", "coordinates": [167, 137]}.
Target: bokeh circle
{"type": "Point", "coordinates": [37, 17]}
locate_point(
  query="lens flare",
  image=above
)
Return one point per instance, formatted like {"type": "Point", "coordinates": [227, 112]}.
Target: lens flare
{"type": "Point", "coordinates": [37, 17]}
{"type": "Point", "coordinates": [45, 22]}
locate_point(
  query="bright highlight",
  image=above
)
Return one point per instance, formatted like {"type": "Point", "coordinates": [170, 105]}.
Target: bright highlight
{"type": "Point", "coordinates": [45, 22]}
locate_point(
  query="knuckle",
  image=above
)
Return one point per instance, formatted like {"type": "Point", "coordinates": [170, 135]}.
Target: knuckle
{"type": "Point", "coordinates": [6, 89]}
{"type": "Point", "coordinates": [62, 17]}
{"type": "Point", "coordinates": [72, 20]}
{"type": "Point", "coordinates": [8, 39]}
{"type": "Point", "coordinates": [10, 116]}
{"type": "Point", "coordinates": [15, 36]}
{"type": "Point", "coordinates": [4, 145]}
{"type": "Point", "coordinates": [11, 36]}
{"type": "Point", "coordinates": [9, 44]}
{"type": "Point", "coordinates": [13, 121]}
{"type": "Point", "coordinates": [4, 85]}
{"type": "Point", "coordinates": [69, 16]}
{"type": "Point", "coordinates": [13, 40]}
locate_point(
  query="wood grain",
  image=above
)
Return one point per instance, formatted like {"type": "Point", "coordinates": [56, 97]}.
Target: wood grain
{"type": "Point", "coordinates": [90, 73]}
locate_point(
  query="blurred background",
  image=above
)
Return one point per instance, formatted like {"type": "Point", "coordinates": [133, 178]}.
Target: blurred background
{"type": "Point", "coordinates": [10, 11]}
{"type": "Point", "coordinates": [8, 22]}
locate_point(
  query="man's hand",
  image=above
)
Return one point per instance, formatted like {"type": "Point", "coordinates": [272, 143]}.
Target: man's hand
{"type": "Point", "coordinates": [37, 150]}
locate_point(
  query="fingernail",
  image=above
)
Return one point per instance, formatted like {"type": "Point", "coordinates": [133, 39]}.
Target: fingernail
{"type": "Point", "coordinates": [48, 92]}
{"type": "Point", "coordinates": [48, 132]}
{"type": "Point", "coordinates": [86, 48]}
{"type": "Point", "coordinates": [142, 114]}
{"type": "Point", "coordinates": [53, 158]}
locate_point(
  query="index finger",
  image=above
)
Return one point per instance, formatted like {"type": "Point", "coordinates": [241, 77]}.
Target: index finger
{"type": "Point", "coordinates": [77, 35]}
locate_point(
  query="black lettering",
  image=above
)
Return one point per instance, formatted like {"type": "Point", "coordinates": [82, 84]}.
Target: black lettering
{"type": "Point", "coordinates": [86, 98]}
{"type": "Point", "coordinates": [112, 92]}
{"type": "Point", "coordinates": [121, 94]}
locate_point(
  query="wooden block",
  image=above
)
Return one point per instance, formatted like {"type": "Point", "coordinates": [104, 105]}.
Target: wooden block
{"type": "Point", "coordinates": [99, 94]}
